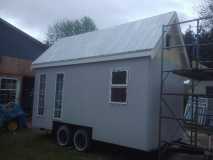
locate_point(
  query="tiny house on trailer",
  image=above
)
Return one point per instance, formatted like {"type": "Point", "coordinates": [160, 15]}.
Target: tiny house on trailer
{"type": "Point", "coordinates": [105, 85]}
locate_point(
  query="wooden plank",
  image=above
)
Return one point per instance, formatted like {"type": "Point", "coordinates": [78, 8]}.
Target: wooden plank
{"type": "Point", "coordinates": [15, 66]}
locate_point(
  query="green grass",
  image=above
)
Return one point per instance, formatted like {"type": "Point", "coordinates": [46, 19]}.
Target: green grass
{"type": "Point", "coordinates": [35, 145]}
{"type": "Point", "coordinates": [28, 145]}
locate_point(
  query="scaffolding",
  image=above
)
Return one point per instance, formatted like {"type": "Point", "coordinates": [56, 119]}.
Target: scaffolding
{"type": "Point", "coordinates": [195, 72]}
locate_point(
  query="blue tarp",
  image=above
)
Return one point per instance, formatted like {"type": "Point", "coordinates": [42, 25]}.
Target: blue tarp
{"type": "Point", "coordinates": [11, 112]}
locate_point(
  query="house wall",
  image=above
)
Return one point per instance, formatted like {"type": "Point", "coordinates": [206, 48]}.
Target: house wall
{"type": "Point", "coordinates": [174, 58]}
{"type": "Point", "coordinates": [15, 66]}
{"type": "Point", "coordinates": [170, 130]}
{"type": "Point", "coordinates": [86, 102]}
{"type": "Point", "coordinates": [19, 69]}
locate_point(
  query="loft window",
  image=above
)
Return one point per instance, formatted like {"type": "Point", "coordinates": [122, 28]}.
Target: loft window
{"type": "Point", "coordinates": [168, 41]}
{"type": "Point", "coordinates": [119, 86]}
{"type": "Point", "coordinates": [58, 95]}
{"type": "Point", "coordinates": [8, 90]}
{"type": "Point", "coordinates": [41, 96]}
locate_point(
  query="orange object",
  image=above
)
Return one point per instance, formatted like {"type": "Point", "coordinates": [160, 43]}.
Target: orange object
{"type": "Point", "coordinates": [12, 126]}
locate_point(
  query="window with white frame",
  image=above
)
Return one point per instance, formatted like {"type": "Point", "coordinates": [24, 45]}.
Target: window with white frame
{"type": "Point", "coordinates": [41, 96]}
{"type": "Point", "coordinates": [8, 90]}
{"type": "Point", "coordinates": [119, 86]}
{"type": "Point", "coordinates": [59, 95]}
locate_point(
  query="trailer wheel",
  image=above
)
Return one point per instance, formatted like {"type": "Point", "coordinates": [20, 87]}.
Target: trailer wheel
{"type": "Point", "coordinates": [63, 135]}
{"type": "Point", "coordinates": [81, 140]}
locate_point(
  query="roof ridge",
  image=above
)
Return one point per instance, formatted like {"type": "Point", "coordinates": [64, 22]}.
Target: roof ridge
{"type": "Point", "coordinates": [118, 25]}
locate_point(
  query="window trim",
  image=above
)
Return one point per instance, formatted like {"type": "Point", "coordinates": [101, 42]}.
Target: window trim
{"type": "Point", "coordinates": [53, 114]}
{"type": "Point", "coordinates": [17, 90]}
{"type": "Point", "coordinates": [45, 91]}
{"type": "Point", "coordinates": [119, 85]}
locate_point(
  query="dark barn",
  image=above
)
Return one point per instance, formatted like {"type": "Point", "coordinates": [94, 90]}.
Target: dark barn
{"type": "Point", "coordinates": [17, 51]}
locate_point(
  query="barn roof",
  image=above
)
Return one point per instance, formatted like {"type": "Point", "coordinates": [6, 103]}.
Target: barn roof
{"type": "Point", "coordinates": [16, 43]}
{"type": "Point", "coordinates": [123, 41]}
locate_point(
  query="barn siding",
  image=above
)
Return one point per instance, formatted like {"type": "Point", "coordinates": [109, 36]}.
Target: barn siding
{"type": "Point", "coordinates": [15, 66]}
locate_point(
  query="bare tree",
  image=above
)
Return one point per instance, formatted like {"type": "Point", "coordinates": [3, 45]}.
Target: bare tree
{"type": "Point", "coordinates": [65, 28]}
{"type": "Point", "coordinates": [206, 10]}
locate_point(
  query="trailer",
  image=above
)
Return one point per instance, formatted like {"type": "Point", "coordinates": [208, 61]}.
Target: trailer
{"type": "Point", "coordinates": [105, 85]}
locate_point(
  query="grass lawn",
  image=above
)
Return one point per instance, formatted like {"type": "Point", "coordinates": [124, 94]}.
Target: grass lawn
{"type": "Point", "coordinates": [34, 145]}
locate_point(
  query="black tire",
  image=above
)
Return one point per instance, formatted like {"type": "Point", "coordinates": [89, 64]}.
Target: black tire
{"type": "Point", "coordinates": [63, 136]}
{"type": "Point", "coordinates": [81, 140]}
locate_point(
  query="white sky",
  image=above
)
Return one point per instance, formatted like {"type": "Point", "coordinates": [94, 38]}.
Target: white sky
{"type": "Point", "coordinates": [34, 16]}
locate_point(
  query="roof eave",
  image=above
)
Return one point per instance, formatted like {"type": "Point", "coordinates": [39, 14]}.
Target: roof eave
{"type": "Point", "coordinates": [113, 57]}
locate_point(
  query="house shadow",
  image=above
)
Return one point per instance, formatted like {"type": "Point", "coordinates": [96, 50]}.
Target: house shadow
{"type": "Point", "coordinates": [115, 152]}
{"type": "Point", "coordinates": [108, 151]}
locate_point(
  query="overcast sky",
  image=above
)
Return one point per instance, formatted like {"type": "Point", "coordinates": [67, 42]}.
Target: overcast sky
{"type": "Point", "coordinates": [34, 16]}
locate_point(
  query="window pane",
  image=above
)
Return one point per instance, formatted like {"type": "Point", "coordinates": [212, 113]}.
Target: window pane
{"type": "Point", "coordinates": [118, 94]}
{"type": "Point", "coordinates": [7, 96]}
{"type": "Point", "coordinates": [58, 95]}
{"type": "Point", "coordinates": [7, 90]}
{"type": "Point", "coordinates": [41, 101]}
{"type": "Point", "coordinates": [119, 77]}
{"type": "Point", "coordinates": [168, 40]}
{"type": "Point", "coordinates": [8, 84]}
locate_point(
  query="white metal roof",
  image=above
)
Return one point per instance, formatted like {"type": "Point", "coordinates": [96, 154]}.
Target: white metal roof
{"type": "Point", "coordinates": [129, 38]}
